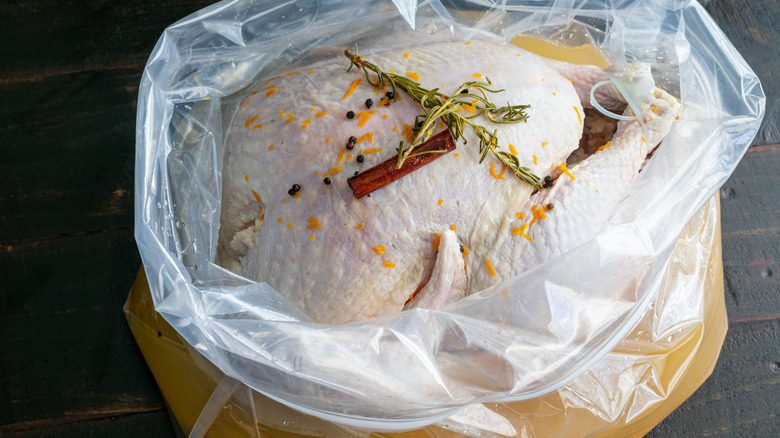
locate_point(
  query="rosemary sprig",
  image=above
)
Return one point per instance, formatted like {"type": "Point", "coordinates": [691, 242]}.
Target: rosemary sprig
{"type": "Point", "coordinates": [437, 105]}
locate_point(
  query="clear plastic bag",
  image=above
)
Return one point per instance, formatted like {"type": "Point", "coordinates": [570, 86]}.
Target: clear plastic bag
{"type": "Point", "coordinates": [646, 376]}
{"type": "Point", "coordinates": [407, 370]}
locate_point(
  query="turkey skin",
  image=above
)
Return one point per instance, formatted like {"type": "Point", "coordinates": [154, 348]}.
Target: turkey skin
{"type": "Point", "coordinates": [448, 229]}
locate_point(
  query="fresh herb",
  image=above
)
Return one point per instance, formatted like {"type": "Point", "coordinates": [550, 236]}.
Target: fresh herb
{"type": "Point", "coordinates": [441, 106]}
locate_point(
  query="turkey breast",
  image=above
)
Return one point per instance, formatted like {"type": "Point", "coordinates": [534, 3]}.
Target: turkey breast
{"type": "Point", "coordinates": [450, 228]}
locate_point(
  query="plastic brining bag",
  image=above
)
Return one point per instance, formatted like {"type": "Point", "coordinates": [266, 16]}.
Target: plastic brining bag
{"type": "Point", "coordinates": [519, 340]}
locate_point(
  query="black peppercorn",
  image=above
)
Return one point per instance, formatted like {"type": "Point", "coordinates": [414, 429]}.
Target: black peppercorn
{"type": "Point", "coordinates": [462, 248]}
{"type": "Point", "coordinates": [360, 158]}
{"type": "Point", "coordinates": [547, 181]}
{"type": "Point", "coordinates": [352, 139]}
{"type": "Point", "coordinates": [326, 181]}
{"type": "Point", "coordinates": [350, 114]}
{"type": "Point", "coordinates": [350, 145]}
{"type": "Point", "coordinates": [464, 91]}
{"type": "Point", "coordinates": [390, 95]}
{"type": "Point", "coordinates": [296, 187]}
{"type": "Point", "coordinates": [356, 172]}
{"type": "Point", "coordinates": [369, 103]}
{"type": "Point", "coordinates": [291, 192]}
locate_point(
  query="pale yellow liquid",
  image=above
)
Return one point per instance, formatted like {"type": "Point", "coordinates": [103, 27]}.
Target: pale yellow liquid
{"type": "Point", "coordinates": [585, 54]}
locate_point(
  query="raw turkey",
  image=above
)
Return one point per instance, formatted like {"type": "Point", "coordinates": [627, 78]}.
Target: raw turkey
{"type": "Point", "coordinates": [448, 229]}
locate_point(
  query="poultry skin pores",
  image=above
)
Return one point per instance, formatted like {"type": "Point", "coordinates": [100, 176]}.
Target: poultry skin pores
{"type": "Point", "coordinates": [448, 229]}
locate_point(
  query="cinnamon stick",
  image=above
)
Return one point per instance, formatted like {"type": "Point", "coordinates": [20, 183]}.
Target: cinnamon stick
{"type": "Point", "coordinates": [386, 172]}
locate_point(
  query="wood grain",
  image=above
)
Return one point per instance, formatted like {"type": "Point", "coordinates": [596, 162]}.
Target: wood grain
{"type": "Point", "coordinates": [69, 73]}
{"type": "Point", "coordinates": [753, 28]}
{"type": "Point", "coordinates": [49, 38]}
{"type": "Point", "coordinates": [67, 163]}
{"type": "Point", "coordinates": [73, 356]}
{"type": "Point", "coordinates": [751, 234]}
{"type": "Point", "coordinates": [152, 424]}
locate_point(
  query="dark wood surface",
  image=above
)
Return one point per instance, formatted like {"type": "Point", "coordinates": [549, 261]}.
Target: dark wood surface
{"type": "Point", "coordinates": [69, 73]}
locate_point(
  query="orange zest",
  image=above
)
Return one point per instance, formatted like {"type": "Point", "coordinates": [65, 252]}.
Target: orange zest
{"type": "Point", "coordinates": [257, 197]}
{"type": "Point", "coordinates": [521, 232]}
{"type": "Point", "coordinates": [367, 136]}
{"type": "Point", "coordinates": [493, 171]}
{"type": "Point", "coordinates": [333, 171]}
{"type": "Point", "coordinates": [364, 116]}
{"type": "Point", "coordinates": [539, 212]}
{"type": "Point", "coordinates": [250, 121]}
{"type": "Point", "coordinates": [490, 269]}
{"type": "Point", "coordinates": [566, 170]}
{"type": "Point", "coordinates": [351, 89]}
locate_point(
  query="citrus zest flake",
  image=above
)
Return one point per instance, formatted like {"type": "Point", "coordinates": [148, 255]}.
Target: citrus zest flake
{"type": "Point", "coordinates": [521, 232]}
{"type": "Point", "coordinates": [367, 136]}
{"type": "Point", "coordinates": [497, 175]}
{"type": "Point", "coordinates": [490, 269]}
{"type": "Point", "coordinates": [566, 170]}
{"type": "Point", "coordinates": [257, 197]}
{"type": "Point", "coordinates": [351, 89]}
{"type": "Point", "coordinates": [436, 240]}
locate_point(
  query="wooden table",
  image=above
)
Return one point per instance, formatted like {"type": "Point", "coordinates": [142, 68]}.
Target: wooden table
{"type": "Point", "coordinates": [69, 74]}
